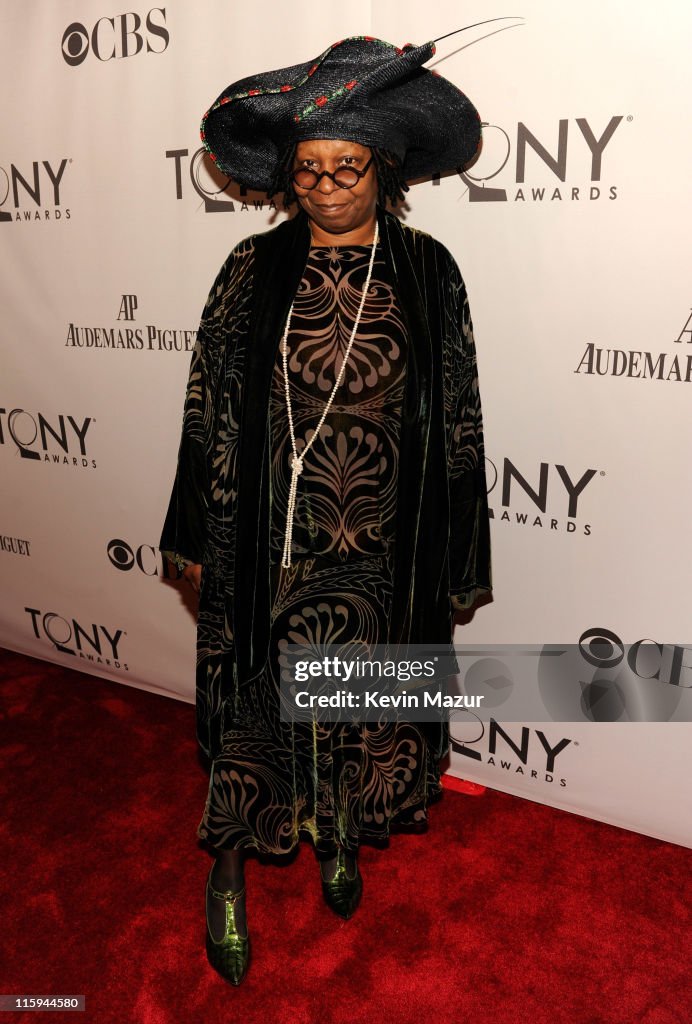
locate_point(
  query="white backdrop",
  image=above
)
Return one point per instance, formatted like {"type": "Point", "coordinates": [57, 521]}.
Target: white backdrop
{"type": "Point", "coordinates": [571, 235]}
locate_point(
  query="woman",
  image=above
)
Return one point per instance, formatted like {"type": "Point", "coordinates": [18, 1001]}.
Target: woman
{"type": "Point", "coordinates": [330, 483]}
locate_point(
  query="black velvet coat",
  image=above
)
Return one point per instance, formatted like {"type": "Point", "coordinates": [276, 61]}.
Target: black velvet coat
{"type": "Point", "coordinates": [219, 510]}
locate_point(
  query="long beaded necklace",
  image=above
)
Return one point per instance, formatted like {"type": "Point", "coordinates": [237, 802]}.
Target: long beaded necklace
{"type": "Point", "coordinates": [297, 460]}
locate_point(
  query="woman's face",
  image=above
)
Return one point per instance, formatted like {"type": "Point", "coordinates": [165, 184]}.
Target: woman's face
{"type": "Point", "coordinates": [337, 210]}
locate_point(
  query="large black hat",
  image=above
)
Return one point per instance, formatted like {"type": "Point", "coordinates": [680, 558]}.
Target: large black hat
{"type": "Point", "coordinates": [360, 89]}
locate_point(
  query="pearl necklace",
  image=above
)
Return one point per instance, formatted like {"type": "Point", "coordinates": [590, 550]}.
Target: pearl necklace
{"type": "Point", "coordinates": [297, 460]}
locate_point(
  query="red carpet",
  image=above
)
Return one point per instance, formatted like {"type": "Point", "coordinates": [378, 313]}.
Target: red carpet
{"type": "Point", "coordinates": [505, 911]}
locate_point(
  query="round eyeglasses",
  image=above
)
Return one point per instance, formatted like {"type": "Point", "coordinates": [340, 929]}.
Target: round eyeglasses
{"type": "Point", "coordinates": [344, 177]}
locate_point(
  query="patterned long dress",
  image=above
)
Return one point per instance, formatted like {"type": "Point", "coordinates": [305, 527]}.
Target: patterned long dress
{"type": "Point", "coordinates": [339, 782]}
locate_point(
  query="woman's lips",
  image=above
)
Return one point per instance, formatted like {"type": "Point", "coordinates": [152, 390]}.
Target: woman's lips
{"type": "Point", "coordinates": [330, 207]}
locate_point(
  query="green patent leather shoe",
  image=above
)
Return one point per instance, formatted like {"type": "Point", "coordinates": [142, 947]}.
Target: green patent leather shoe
{"type": "Point", "coordinates": [230, 956]}
{"type": "Point", "coordinates": [342, 893]}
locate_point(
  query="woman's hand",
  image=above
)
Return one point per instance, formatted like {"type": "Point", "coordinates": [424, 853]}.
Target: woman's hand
{"type": "Point", "coordinates": [193, 575]}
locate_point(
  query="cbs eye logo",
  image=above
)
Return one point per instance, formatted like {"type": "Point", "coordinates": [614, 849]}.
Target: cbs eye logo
{"type": "Point", "coordinates": [601, 648]}
{"type": "Point", "coordinates": [121, 555]}
{"type": "Point", "coordinates": [118, 37]}
{"type": "Point", "coordinates": [75, 44]}
{"type": "Point", "coordinates": [602, 679]}
{"type": "Point", "coordinates": [146, 558]}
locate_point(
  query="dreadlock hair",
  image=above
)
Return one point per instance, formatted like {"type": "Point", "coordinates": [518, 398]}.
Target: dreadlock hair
{"type": "Point", "coordinates": [388, 167]}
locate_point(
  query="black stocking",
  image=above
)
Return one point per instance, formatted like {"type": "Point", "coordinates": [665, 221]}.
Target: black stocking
{"type": "Point", "coordinates": [328, 866]}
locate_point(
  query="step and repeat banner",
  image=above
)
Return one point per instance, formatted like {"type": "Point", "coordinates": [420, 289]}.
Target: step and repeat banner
{"type": "Point", "coordinates": [571, 231]}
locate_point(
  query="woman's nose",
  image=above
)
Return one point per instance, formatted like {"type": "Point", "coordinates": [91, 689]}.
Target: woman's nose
{"type": "Point", "coordinates": [326, 186]}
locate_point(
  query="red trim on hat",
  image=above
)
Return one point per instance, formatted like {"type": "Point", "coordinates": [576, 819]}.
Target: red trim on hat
{"type": "Point", "coordinates": [286, 88]}
{"type": "Point", "coordinates": [349, 85]}
{"type": "Point", "coordinates": [253, 92]}
{"type": "Point", "coordinates": [321, 100]}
